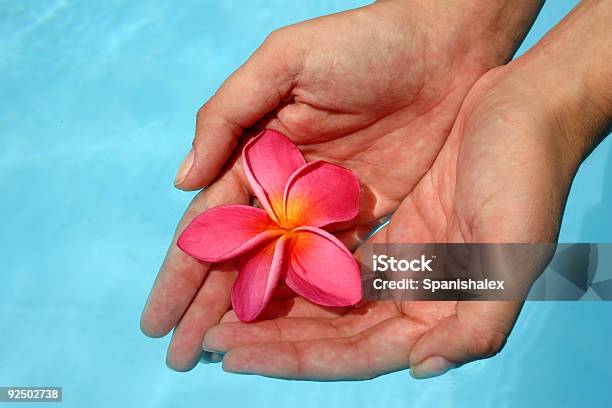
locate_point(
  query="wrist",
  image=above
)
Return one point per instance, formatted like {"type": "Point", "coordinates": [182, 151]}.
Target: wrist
{"type": "Point", "coordinates": [487, 32]}
{"type": "Point", "coordinates": [571, 70]}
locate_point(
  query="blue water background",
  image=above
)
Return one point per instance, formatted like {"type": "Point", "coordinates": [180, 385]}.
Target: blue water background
{"type": "Point", "coordinates": [97, 106]}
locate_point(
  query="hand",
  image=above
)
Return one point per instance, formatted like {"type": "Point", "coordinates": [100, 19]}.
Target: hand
{"type": "Point", "coordinates": [375, 89]}
{"type": "Point", "coordinates": [502, 176]}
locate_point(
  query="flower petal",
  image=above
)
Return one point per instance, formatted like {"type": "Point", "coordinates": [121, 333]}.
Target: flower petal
{"type": "Point", "coordinates": [269, 160]}
{"type": "Point", "coordinates": [224, 232]}
{"type": "Point", "coordinates": [258, 276]}
{"type": "Point", "coordinates": [322, 270]}
{"type": "Point", "coordinates": [320, 193]}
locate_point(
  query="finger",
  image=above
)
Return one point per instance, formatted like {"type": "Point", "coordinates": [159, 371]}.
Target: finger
{"type": "Point", "coordinates": [230, 335]}
{"type": "Point", "coordinates": [181, 275]}
{"type": "Point", "coordinates": [380, 350]}
{"type": "Point", "coordinates": [251, 92]}
{"type": "Point", "coordinates": [478, 330]}
{"type": "Point", "coordinates": [292, 307]}
{"type": "Point", "coordinates": [227, 336]}
{"type": "Point", "coordinates": [209, 304]}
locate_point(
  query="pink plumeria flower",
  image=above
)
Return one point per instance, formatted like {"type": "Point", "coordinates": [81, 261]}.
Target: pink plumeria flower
{"type": "Point", "coordinates": [284, 240]}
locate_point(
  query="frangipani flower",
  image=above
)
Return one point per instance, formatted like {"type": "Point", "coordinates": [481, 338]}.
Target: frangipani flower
{"type": "Point", "coordinates": [285, 239]}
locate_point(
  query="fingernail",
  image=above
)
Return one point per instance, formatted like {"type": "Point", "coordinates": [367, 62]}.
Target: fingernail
{"type": "Point", "coordinates": [208, 357]}
{"type": "Point", "coordinates": [431, 367]}
{"type": "Point", "coordinates": [181, 175]}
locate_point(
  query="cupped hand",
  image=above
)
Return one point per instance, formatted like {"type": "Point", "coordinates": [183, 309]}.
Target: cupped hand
{"type": "Point", "coordinates": [375, 89]}
{"type": "Point", "coordinates": [502, 176]}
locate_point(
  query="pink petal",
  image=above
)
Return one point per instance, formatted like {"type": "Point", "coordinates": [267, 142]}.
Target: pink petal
{"type": "Point", "coordinates": [322, 270]}
{"type": "Point", "coordinates": [258, 276]}
{"type": "Point", "coordinates": [320, 193]}
{"type": "Point", "coordinates": [224, 232]}
{"type": "Point", "coordinates": [269, 160]}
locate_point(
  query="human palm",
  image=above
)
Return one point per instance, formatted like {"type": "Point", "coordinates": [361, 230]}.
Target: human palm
{"type": "Point", "coordinates": [483, 185]}
{"type": "Point", "coordinates": [375, 89]}
{"type": "Point", "coordinates": [379, 100]}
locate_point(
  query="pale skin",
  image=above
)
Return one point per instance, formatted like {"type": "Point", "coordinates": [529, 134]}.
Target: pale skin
{"type": "Point", "coordinates": [408, 97]}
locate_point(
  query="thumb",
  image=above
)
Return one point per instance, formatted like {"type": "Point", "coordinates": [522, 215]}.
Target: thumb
{"type": "Point", "coordinates": [478, 330]}
{"type": "Point", "coordinates": [252, 91]}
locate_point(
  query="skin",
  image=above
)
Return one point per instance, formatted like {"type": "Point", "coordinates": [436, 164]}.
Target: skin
{"type": "Point", "coordinates": [417, 150]}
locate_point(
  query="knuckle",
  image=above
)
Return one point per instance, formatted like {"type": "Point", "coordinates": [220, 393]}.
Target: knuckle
{"type": "Point", "coordinates": [202, 112]}
{"type": "Point", "coordinates": [277, 39]}
{"type": "Point", "coordinates": [275, 35]}
{"type": "Point", "coordinates": [485, 342]}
